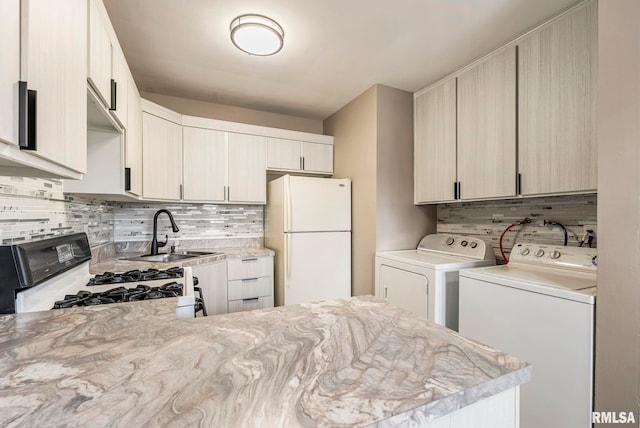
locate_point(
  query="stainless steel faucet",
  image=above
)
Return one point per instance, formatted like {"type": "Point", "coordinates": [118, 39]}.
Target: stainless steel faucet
{"type": "Point", "coordinates": [154, 242]}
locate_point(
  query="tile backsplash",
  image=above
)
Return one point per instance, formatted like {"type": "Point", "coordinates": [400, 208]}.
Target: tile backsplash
{"type": "Point", "coordinates": [36, 208]}
{"type": "Point", "coordinates": [134, 221]}
{"type": "Point", "coordinates": [487, 219]}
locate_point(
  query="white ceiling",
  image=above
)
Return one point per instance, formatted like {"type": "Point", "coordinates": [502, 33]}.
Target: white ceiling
{"type": "Point", "coordinates": [333, 50]}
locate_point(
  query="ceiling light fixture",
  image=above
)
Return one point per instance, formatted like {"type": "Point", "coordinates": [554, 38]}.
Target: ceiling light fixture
{"type": "Point", "coordinates": [257, 35]}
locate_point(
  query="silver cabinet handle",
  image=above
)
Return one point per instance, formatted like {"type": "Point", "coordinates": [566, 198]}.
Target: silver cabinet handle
{"type": "Point", "coordinates": [255, 299]}
{"type": "Point", "coordinates": [252, 259]}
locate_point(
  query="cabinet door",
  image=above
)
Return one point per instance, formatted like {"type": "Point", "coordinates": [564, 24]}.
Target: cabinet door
{"type": "Point", "coordinates": [487, 128]}
{"type": "Point", "coordinates": [10, 69]}
{"type": "Point", "coordinates": [203, 164]}
{"type": "Point", "coordinates": [54, 63]}
{"type": "Point", "coordinates": [133, 140]}
{"type": "Point", "coordinates": [557, 105]}
{"type": "Point", "coordinates": [247, 169]}
{"type": "Point", "coordinates": [121, 81]}
{"type": "Point", "coordinates": [317, 158]}
{"type": "Point", "coordinates": [100, 54]}
{"type": "Point", "coordinates": [162, 158]}
{"type": "Point", "coordinates": [284, 154]}
{"type": "Point", "coordinates": [213, 282]}
{"type": "Point", "coordinates": [435, 143]}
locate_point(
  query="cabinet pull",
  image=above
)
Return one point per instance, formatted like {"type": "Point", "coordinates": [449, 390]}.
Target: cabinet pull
{"type": "Point", "coordinates": [181, 192]}
{"type": "Point", "coordinates": [300, 162]}
{"type": "Point", "coordinates": [385, 292]}
{"type": "Point", "coordinates": [224, 193]}
{"type": "Point", "coordinates": [114, 94]}
{"type": "Point", "coordinates": [127, 179]}
{"type": "Point", "coordinates": [455, 190]}
{"type": "Point", "coordinates": [303, 163]}
{"type": "Point", "coordinates": [254, 299]}
{"type": "Point", "coordinates": [228, 193]}
{"type": "Point", "coordinates": [252, 259]}
{"type": "Point", "coordinates": [459, 191]}
{"type": "Point", "coordinates": [249, 279]}
{"type": "Point", "coordinates": [518, 184]}
{"type": "Point", "coordinates": [27, 117]}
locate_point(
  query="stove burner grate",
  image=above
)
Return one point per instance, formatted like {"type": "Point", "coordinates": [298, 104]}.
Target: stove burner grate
{"type": "Point", "coordinates": [120, 294]}
{"type": "Point", "coordinates": [136, 275]}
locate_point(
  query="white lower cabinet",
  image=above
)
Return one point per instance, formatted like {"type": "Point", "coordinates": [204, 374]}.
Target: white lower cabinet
{"type": "Point", "coordinates": [212, 280]}
{"type": "Point", "coordinates": [250, 283]}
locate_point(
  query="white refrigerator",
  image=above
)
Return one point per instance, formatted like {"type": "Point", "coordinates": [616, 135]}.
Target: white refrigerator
{"type": "Point", "coordinates": [308, 225]}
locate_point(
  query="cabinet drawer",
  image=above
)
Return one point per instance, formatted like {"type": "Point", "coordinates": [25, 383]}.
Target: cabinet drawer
{"type": "Point", "coordinates": [250, 287]}
{"type": "Point", "coordinates": [250, 304]}
{"type": "Point", "coordinates": [249, 267]}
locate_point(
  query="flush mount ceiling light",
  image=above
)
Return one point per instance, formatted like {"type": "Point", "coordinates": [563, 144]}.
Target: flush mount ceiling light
{"type": "Point", "coordinates": [257, 35]}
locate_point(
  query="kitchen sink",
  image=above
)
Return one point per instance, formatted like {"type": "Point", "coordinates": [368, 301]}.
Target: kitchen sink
{"type": "Point", "coordinates": [172, 257]}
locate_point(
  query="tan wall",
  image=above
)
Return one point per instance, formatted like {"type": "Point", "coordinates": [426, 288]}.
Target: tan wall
{"type": "Point", "coordinates": [399, 223]}
{"type": "Point", "coordinates": [235, 114]}
{"type": "Point", "coordinates": [354, 130]}
{"type": "Point", "coordinates": [617, 377]}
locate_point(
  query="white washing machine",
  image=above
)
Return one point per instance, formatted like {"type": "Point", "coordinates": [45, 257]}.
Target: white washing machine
{"type": "Point", "coordinates": [540, 308]}
{"type": "Point", "coordinates": [425, 280]}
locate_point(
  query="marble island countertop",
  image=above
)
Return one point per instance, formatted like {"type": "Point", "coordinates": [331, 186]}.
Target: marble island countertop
{"type": "Point", "coordinates": [117, 262]}
{"type": "Point", "coordinates": [351, 362]}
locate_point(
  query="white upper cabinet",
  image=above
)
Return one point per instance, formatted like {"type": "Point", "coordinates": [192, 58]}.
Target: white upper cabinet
{"type": "Point", "coordinates": [162, 158]}
{"type": "Point", "coordinates": [557, 105]}
{"type": "Point", "coordinates": [133, 139]}
{"type": "Point", "coordinates": [54, 65]}
{"type": "Point", "coordinates": [487, 128]}
{"type": "Point", "coordinates": [121, 82]}
{"type": "Point", "coordinates": [317, 158]}
{"type": "Point", "coordinates": [299, 156]}
{"type": "Point", "coordinates": [435, 144]}
{"type": "Point", "coordinates": [284, 154]}
{"type": "Point", "coordinates": [203, 164]}
{"type": "Point", "coordinates": [10, 70]}
{"type": "Point", "coordinates": [247, 176]}
{"type": "Point", "coordinates": [100, 53]}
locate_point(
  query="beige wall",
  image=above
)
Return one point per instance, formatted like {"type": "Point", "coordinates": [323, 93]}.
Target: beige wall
{"type": "Point", "coordinates": [235, 114]}
{"type": "Point", "coordinates": [617, 377]}
{"type": "Point", "coordinates": [373, 137]}
{"type": "Point", "coordinates": [399, 223]}
{"type": "Point", "coordinates": [354, 130]}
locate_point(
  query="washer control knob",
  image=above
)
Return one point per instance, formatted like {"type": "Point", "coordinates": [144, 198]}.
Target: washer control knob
{"type": "Point", "coordinates": [594, 260]}
{"type": "Point", "coordinates": [524, 251]}
{"type": "Point", "coordinates": [473, 244]}
{"type": "Point", "coordinates": [539, 253]}
{"type": "Point", "coordinates": [450, 241]}
{"type": "Point", "coordinates": [555, 254]}
{"type": "Point", "coordinates": [464, 243]}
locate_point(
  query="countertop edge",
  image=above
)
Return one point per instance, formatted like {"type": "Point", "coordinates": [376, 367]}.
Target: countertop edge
{"type": "Point", "coordinates": [459, 400]}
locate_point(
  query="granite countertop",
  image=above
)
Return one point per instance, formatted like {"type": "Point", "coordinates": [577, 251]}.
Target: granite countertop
{"type": "Point", "coordinates": [350, 362]}
{"type": "Point", "coordinates": [117, 264]}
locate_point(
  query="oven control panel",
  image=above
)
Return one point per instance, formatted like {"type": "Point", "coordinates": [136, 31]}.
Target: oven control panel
{"type": "Point", "coordinates": [566, 257]}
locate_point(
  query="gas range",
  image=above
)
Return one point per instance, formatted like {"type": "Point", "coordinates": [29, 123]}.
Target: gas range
{"type": "Point", "coordinates": [54, 274]}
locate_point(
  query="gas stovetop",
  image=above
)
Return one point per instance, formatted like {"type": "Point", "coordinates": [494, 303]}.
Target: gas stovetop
{"type": "Point", "coordinates": [136, 275]}
{"type": "Point", "coordinates": [120, 294]}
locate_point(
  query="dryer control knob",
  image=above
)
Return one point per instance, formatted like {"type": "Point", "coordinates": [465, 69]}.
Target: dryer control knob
{"type": "Point", "coordinates": [524, 251]}
{"type": "Point", "coordinates": [464, 243]}
{"type": "Point", "coordinates": [450, 241]}
{"type": "Point", "coordinates": [539, 253]}
{"type": "Point", "coordinates": [555, 255]}
{"type": "Point", "coordinates": [473, 244]}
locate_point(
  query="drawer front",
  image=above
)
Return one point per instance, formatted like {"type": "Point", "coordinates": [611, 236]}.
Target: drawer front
{"type": "Point", "coordinates": [249, 267]}
{"type": "Point", "coordinates": [250, 304]}
{"type": "Point", "coordinates": [250, 287]}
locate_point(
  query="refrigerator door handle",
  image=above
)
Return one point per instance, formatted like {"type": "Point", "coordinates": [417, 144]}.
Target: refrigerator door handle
{"type": "Point", "coordinates": [287, 207]}
{"type": "Point", "coordinates": [287, 262]}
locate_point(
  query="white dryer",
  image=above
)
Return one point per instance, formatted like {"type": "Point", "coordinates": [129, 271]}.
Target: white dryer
{"type": "Point", "coordinates": [539, 307]}
{"type": "Point", "coordinates": [425, 280]}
